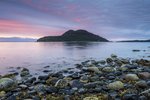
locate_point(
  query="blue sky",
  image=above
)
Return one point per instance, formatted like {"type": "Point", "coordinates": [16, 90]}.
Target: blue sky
{"type": "Point", "coordinates": [112, 19]}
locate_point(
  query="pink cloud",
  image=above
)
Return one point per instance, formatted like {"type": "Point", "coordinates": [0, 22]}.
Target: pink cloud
{"type": "Point", "coordinates": [18, 28]}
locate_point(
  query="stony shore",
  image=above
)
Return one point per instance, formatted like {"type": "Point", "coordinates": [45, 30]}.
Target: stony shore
{"type": "Point", "coordinates": [111, 79]}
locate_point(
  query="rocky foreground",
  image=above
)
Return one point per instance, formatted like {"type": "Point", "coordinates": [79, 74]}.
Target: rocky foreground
{"type": "Point", "coordinates": [111, 79]}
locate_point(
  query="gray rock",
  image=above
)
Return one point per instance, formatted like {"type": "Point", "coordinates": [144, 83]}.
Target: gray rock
{"type": "Point", "coordinates": [76, 84]}
{"type": "Point", "coordinates": [84, 79]}
{"type": "Point", "coordinates": [116, 85]}
{"type": "Point", "coordinates": [130, 97]}
{"type": "Point", "coordinates": [108, 69]}
{"type": "Point", "coordinates": [144, 75]}
{"type": "Point", "coordinates": [61, 83]}
{"type": "Point", "coordinates": [109, 60]}
{"type": "Point", "coordinates": [23, 86]}
{"type": "Point", "coordinates": [141, 84]}
{"type": "Point", "coordinates": [131, 77]}
{"type": "Point", "coordinates": [40, 88]}
{"type": "Point", "coordinates": [24, 72]}
{"type": "Point", "coordinates": [113, 56]}
{"type": "Point", "coordinates": [94, 69]}
{"type": "Point", "coordinates": [6, 84]}
{"type": "Point", "coordinates": [43, 77]}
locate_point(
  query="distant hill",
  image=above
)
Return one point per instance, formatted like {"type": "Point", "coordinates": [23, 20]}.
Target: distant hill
{"type": "Point", "coordinates": [17, 39]}
{"type": "Point", "coordinates": [136, 41]}
{"type": "Point", "coordinates": [71, 35]}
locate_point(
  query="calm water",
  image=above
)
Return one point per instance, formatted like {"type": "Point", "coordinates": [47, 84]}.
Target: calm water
{"type": "Point", "coordinates": [60, 55]}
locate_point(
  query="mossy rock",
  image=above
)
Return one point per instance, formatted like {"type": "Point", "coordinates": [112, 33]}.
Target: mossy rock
{"type": "Point", "coordinates": [6, 84]}
{"type": "Point", "coordinates": [51, 81]}
{"type": "Point", "coordinates": [11, 75]}
{"type": "Point", "coordinates": [108, 69]}
{"type": "Point", "coordinates": [94, 69]}
{"type": "Point", "coordinates": [116, 85]}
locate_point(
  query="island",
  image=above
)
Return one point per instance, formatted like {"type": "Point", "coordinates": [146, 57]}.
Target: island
{"type": "Point", "coordinates": [136, 40]}
{"type": "Point", "coordinates": [71, 35]}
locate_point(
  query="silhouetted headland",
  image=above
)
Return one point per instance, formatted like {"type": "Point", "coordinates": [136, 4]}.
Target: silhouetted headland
{"type": "Point", "coordinates": [71, 35]}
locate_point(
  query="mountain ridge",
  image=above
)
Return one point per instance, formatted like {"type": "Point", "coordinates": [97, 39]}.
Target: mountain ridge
{"type": "Point", "coordinates": [71, 35]}
{"type": "Point", "coordinates": [16, 39]}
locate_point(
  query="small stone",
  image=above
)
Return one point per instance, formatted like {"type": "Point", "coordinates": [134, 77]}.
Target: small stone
{"type": "Point", "coordinates": [67, 97]}
{"type": "Point", "coordinates": [75, 75]}
{"type": "Point", "coordinates": [111, 77]}
{"type": "Point", "coordinates": [11, 75]}
{"type": "Point", "coordinates": [2, 94]}
{"type": "Point", "coordinates": [141, 84]}
{"type": "Point", "coordinates": [90, 98]}
{"type": "Point", "coordinates": [94, 69]}
{"type": "Point", "coordinates": [84, 79]}
{"type": "Point", "coordinates": [91, 85]}
{"type": "Point", "coordinates": [61, 83]}
{"type": "Point", "coordinates": [40, 88]}
{"type": "Point", "coordinates": [82, 91]}
{"type": "Point", "coordinates": [76, 84]}
{"type": "Point", "coordinates": [103, 62]}
{"type": "Point", "coordinates": [44, 77]}
{"type": "Point", "coordinates": [23, 86]}
{"type": "Point", "coordinates": [116, 85]}
{"type": "Point", "coordinates": [108, 69]}
{"type": "Point", "coordinates": [123, 68]}
{"type": "Point", "coordinates": [131, 77]}
{"type": "Point", "coordinates": [46, 66]}
{"type": "Point", "coordinates": [113, 56]}
{"type": "Point", "coordinates": [51, 89]}
{"type": "Point", "coordinates": [24, 72]}
{"type": "Point", "coordinates": [46, 71]}
{"type": "Point", "coordinates": [130, 97]}
{"type": "Point", "coordinates": [51, 81]}
{"type": "Point", "coordinates": [144, 75]}
{"type": "Point", "coordinates": [135, 50]}
{"type": "Point", "coordinates": [109, 60]}
{"type": "Point", "coordinates": [148, 83]}
{"type": "Point", "coordinates": [143, 98]}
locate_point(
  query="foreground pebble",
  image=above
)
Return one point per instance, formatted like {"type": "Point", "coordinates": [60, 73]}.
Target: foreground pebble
{"type": "Point", "coordinates": [116, 85]}
{"type": "Point", "coordinates": [110, 79]}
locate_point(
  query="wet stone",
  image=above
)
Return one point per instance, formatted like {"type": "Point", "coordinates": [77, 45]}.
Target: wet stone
{"type": "Point", "coordinates": [76, 83]}
{"type": "Point", "coordinates": [44, 77]}
{"type": "Point", "coordinates": [130, 97]}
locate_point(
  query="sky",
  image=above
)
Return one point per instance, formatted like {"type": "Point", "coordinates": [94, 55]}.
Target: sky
{"type": "Point", "coordinates": [112, 19]}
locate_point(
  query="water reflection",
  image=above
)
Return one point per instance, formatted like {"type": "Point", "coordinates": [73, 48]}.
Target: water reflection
{"type": "Point", "coordinates": [36, 55]}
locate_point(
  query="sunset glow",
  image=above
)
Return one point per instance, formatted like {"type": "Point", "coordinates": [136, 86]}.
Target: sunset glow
{"type": "Point", "coordinates": [113, 20]}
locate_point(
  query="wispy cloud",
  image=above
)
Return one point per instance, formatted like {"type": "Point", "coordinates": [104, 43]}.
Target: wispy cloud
{"type": "Point", "coordinates": [111, 19]}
